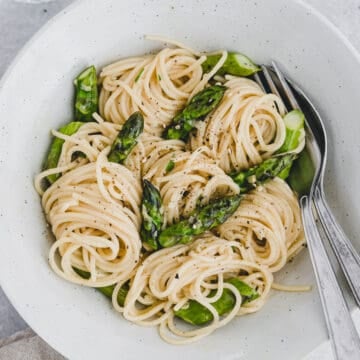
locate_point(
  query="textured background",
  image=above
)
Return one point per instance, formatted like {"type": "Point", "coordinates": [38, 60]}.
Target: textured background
{"type": "Point", "coordinates": [20, 19]}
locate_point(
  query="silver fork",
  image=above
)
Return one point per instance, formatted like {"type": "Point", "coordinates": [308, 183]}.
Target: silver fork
{"type": "Point", "coordinates": [343, 335]}
{"type": "Point", "coordinates": [347, 256]}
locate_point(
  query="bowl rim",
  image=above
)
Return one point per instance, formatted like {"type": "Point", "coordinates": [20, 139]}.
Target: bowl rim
{"type": "Point", "coordinates": [9, 70]}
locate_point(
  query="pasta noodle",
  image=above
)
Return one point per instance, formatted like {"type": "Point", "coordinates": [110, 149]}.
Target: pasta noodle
{"type": "Point", "coordinates": [268, 225]}
{"type": "Point", "coordinates": [195, 179]}
{"type": "Point", "coordinates": [95, 217]}
{"type": "Point", "coordinates": [245, 129]}
{"type": "Point", "coordinates": [94, 206]}
{"type": "Point", "coordinates": [175, 275]}
{"type": "Point", "coordinates": [158, 85]}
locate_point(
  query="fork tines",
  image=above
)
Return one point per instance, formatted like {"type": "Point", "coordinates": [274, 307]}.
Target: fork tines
{"type": "Point", "coordinates": [272, 80]}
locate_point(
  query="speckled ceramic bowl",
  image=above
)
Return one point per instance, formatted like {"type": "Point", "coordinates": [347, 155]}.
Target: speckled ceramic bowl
{"type": "Point", "coordinates": [36, 95]}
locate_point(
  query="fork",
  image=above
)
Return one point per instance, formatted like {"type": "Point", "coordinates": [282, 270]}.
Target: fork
{"type": "Point", "coordinates": [343, 335]}
{"type": "Point", "coordinates": [347, 256]}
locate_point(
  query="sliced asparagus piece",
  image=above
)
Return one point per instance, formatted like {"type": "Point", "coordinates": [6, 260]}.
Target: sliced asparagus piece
{"type": "Point", "coordinates": [107, 290]}
{"type": "Point", "coordinates": [152, 214]}
{"type": "Point", "coordinates": [198, 108]}
{"type": "Point", "coordinates": [294, 122]}
{"type": "Point", "coordinates": [235, 64]}
{"type": "Point", "coordinates": [257, 175]}
{"type": "Point", "coordinates": [127, 138]}
{"type": "Point", "coordinates": [170, 165]}
{"type": "Point", "coordinates": [56, 147]}
{"type": "Point", "coordinates": [138, 76]}
{"type": "Point", "coordinates": [86, 96]}
{"type": "Point", "coordinates": [197, 314]}
{"type": "Point", "coordinates": [200, 220]}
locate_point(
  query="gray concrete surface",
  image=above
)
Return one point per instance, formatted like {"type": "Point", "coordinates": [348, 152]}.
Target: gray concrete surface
{"type": "Point", "coordinates": [20, 19]}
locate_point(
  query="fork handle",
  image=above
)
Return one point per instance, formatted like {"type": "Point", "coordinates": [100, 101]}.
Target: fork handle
{"type": "Point", "coordinates": [343, 335]}
{"type": "Point", "coordinates": [346, 254]}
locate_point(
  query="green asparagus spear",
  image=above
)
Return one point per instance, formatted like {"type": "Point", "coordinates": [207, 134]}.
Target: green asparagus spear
{"type": "Point", "coordinates": [201, 219]}
{"type": "Point", "coordinates": [235, 64]}
{"type": "Point", "coordinates": [107, 290]}
{"type": "Point", "coordinates": [197, 314]}
{"type": "Point", "coordinates": [294, 122]}
{"type": "Point", "coordinates": [86, 96]}
{"type": "Point", "coordinates": [268, 169]}
{"type": "Point", "coordinates": [127, 138]}
{"type": "Point", "coordinates": [198, 108]}
{"type": "Point", "coordinates": [152, 214]}
{"type": "Point", "coordinates": [55, 149]}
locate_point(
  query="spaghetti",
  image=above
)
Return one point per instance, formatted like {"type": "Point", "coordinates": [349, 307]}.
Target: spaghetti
{"type": "Point", "coordinates": [94, 207]}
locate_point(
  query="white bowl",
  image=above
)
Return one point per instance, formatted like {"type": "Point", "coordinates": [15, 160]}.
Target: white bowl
{"type": "Point", "coordinates": [36, 95]}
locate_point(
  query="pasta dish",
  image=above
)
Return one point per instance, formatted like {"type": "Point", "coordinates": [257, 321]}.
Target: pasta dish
{"type": "Point", "coordinates": [167, 192]}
